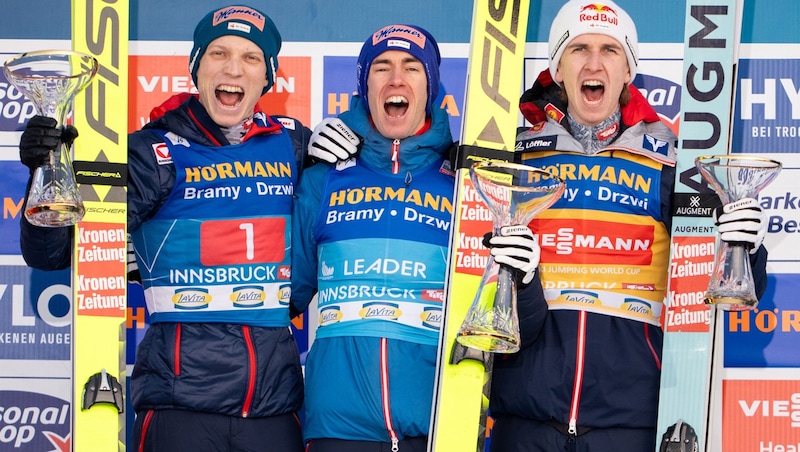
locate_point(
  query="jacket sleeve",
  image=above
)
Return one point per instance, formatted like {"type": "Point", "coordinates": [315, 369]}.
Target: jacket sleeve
{"type": "Point", "coordinates": [531, 309]}
{"type": "Point", "coordinates": [758, 262]}
{"type": "Point", "coordinates": [149, 183]}
{"type": "Point", "coordinates": [304, 245]}
{"type": "Point", "coordinates": [45, 248]}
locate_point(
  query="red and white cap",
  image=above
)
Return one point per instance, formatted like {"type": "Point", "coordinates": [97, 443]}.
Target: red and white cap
{"type": "Point", "coordinates": [581, 17]}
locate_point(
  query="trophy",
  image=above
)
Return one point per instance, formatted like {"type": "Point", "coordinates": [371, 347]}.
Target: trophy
{"type": "Point", "coordinates": [734, 177]}
{"type": "Point", "coordinates": [514, 193]}
{"type": "Point", "coordinates": [51, 79]}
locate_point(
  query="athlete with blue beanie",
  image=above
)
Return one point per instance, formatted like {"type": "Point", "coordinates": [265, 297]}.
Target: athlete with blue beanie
{"type": "Point", "coordinates": [378, 269]}
{"type": "Point", "coordinates": [218, 368]}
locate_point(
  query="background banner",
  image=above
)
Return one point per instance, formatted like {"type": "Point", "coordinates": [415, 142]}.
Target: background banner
{"type": "Point", "coordinates": [316, 79]}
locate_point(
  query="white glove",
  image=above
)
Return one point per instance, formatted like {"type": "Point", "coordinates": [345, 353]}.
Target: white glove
{"type": "Point", "coordinates": [333, 141]}
{"type": "Point", "coordinates": [742, 222]}
{"type": "Point", "coordinates": [516, 247]}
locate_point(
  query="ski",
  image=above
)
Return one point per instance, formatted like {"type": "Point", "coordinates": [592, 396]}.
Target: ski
{"type": "Point", "coordinates": [708, 87]}
{"type": "Point", "coordinates": [99, 278]}
{"type": "Point", "coordinates": [488, 131]}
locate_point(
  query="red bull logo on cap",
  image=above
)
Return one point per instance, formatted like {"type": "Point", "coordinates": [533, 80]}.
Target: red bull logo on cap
{"type": "Point", "coordinates": [241, 13]}
{"type": "Point", "coordinates": [598, 12]}
{"type": "Point", "coordinates": [409, 34]}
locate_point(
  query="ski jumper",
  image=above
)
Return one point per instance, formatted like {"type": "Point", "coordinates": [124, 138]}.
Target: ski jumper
{"type": "Point", "coordinates": [211, 224]}
{"type": "Point", "coordinates": [594, 363]}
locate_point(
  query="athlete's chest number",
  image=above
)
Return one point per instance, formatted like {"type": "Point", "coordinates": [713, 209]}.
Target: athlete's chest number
{"type": "Point", "coordinates": [230, 242]}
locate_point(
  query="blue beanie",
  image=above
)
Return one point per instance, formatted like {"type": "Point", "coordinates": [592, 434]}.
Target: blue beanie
{"type": "Point", "coordinates": [407, 38]}
{"type": "Point", "coordinates": [241, 21]}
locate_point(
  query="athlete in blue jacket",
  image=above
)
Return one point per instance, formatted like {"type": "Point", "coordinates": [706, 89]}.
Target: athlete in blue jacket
{"type": "Point", "coordinates": [587, 376]}
{"type": "Point", "coordinates": [210, 192]}
{"type": "Point", "coordinates": [371, 241]}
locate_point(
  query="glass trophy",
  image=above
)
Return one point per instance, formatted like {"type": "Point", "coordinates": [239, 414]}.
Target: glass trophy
{"type": "Point", "coordinates": [51, 79]}
{"type": "Point", "coordinates": [734, 177]}
{"type": "Point", "coordinates": [514, 194]}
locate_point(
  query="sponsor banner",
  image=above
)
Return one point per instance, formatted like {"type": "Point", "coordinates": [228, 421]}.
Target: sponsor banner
{"type": "Point", "coordinates": [101, 253]}
{"type": "Point", "coordinates": [761, 415]}
{"type": "Point", "coordinates": [15, 109]}
{"type": "Point", "coordinates": [12, 191]}
{"type": "Point", "coordinates": [35, 314]}
{"type": "Point", "coordinates": [34, 422]}
{"type": "Point", "coordinates": [767, 110]}
{"type": "Point", "coordinates": [768, 335]}
{"type": "Point", "coordinates": [155, 78]}
{"type": "Point", "coordinates": [692, 262]}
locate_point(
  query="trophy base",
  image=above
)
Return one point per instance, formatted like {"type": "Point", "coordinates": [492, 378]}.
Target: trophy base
{"type": "Point", "coordinates": [488, 341]}
{"type": "Point", "coordinates": [55, 214]}
{"type": "Point", "coordinates": [731, 302]}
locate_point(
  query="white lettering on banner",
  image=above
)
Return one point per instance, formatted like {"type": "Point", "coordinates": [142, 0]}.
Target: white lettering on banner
{"type": "Point", "coordinates": [354, 215]}
{"type": "Point", "coordinates": [231, 192]}
{"type": "Point", "coordinates": [471, 260]}
{"type": "Point", "coordinates": [768, 97]}
{"type": "Point", "coordinates": [689, 268]}
{"type": "Point", "coordinates": [19, 423]}
{"type": "Point", "coordinates": [385, 267]}
{"type": "Point", "coordinates": [412, 215]}
{"type": "Point", "coordinates": [365, 292]}
{"type": "Point", "coordinates": [273, 190]}
{"type": "Point", "coordinates": [97, 254]}
{"type": "Point", "coordinates": [477, 213]}
{"type": "Point", "coordinates": [222, 275]}
{"type": "Point", "coordinates": [606, 194]}
{"type": "Point", "coordinates": [564, 241]}
{"type": "Point", "coordinates": [17, 338]}
{"type": "Point", "coordinates": [770, 447]}
{"type": "Point", "coordinates": [97, 301]}
{"type": "Point", "coordinates": [101, 235]}
{"type": "Point", "coordinates": [686, 317]}
{"type": "Point", "coordinates": [774, 408]}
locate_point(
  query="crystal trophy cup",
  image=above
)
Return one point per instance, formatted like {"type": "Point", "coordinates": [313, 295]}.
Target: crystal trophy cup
{"type": "Point", "coordinates": [51, 79]}
{"type": "Point", "coordinates": [515, 194]}
{"type": "Point", "coordinates": [734, 177]}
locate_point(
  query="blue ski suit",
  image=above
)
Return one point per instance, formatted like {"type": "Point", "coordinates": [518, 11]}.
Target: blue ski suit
{"type": "Point", "coordinates": [372, 245]}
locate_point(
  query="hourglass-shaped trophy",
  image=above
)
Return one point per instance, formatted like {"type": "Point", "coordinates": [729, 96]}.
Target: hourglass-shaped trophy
{"type": "Point", "coordinates": [51, 79]}
{"type": "Point", "coordinates": [734, 177]}
{"type": "Point", "coordinates": [514, 193]}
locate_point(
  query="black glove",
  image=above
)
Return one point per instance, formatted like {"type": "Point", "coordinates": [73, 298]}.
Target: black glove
{"type": "Point", "coordinates": [40, 137]}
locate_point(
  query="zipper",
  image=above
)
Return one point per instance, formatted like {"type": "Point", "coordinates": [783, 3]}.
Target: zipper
{"type": "Point", "coordinates": [580, 354]}
{"type": "Point", "coordinates": [387, 412]}
{"type": "Point", "coordinates": [251, 376]}
{"type": "Point", "coordinates": [395, 156]}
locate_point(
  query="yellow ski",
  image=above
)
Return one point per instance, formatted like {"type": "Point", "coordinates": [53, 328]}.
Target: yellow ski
{"type": "Point", "coordinates": [98, 265]}
{"type": "Point", "coordinates": [491, 116]}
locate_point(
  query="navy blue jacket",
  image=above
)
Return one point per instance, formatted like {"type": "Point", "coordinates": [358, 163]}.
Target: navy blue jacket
{"type": "Point", "coordinates": [622, 364]}
{"type": "Point", "coordinates": [229, 369]}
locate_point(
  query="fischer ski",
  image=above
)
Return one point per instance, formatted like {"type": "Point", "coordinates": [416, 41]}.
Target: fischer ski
{"type": "Point", "coordinates": [488, 132]}
{"type": "Point", "coordinates": [99, 277]}
{"type": "Point", "coordinates": [708, 88]}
